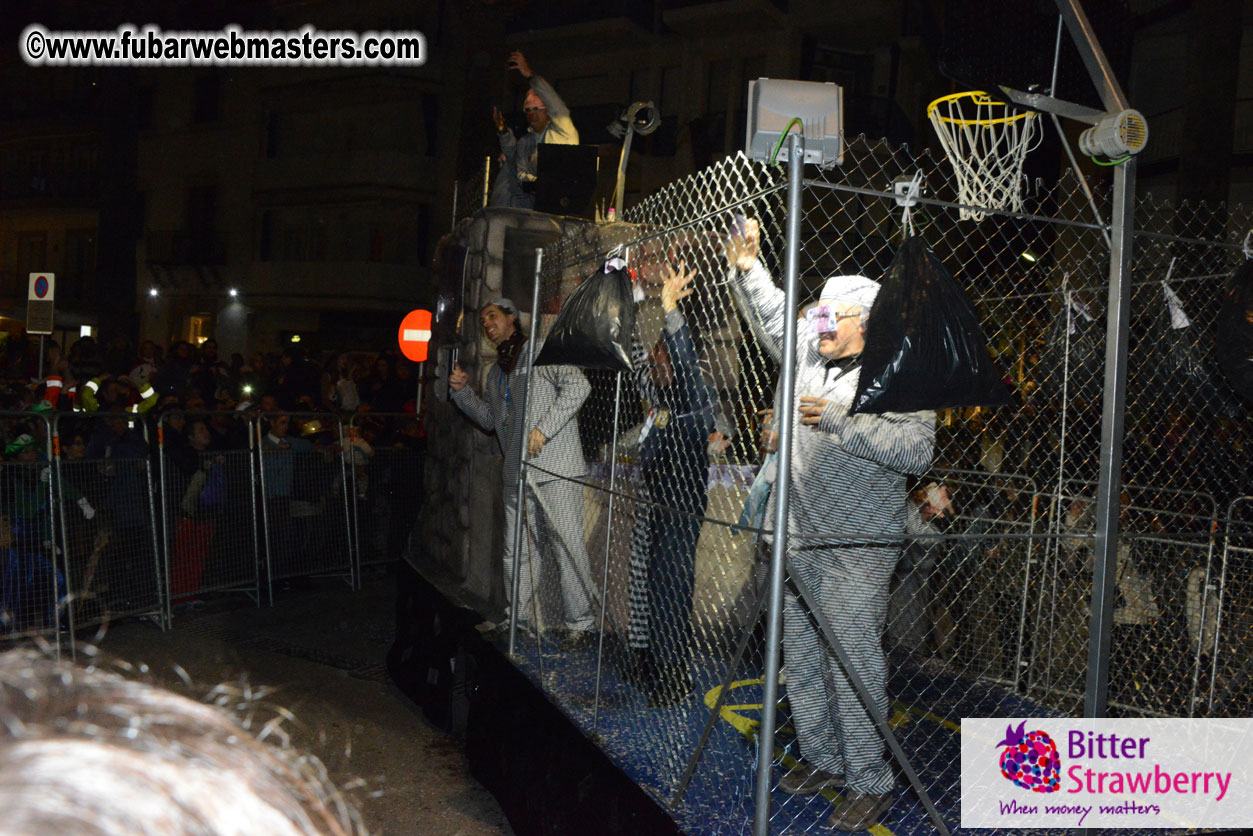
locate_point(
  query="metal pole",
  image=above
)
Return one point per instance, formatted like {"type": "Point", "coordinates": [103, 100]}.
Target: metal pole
{"type": "Point", "coordinates": [348, 478]}
{"type": "Point", "coordinates": [40, 376]}
{"type": "Point", "coordinates": [254, 449]}
{"type": "Point", "coordinates": [604, 583]}
{"type": "Point", "coordinates": [71, 597]}
{"type": "Point", "coordinates": [421, 379]}
{"type": "Point", "coordinates": [265, 515]}
{"type": "Point", "coordinates": [1105, 547]}
{"type": "Point", "coordinates": [521, 493]}
{"type": "Point", "coordinates": [165, 510]}
{"type": "Point", "coordinates": [783, 486]}
{"type": "Point", "coordinates": [487, 179]}
{"type": "Point", "coordinates": [622, 167]}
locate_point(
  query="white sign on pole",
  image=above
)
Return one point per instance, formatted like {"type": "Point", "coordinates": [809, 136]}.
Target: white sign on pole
{"type": "Point", "coordinates": [39, 305]}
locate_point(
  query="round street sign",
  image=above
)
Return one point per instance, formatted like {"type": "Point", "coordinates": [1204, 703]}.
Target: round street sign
{"type": "Point", "coordinates": [415, 335]}
{"type": "Point", "coordinates": [41, 286]}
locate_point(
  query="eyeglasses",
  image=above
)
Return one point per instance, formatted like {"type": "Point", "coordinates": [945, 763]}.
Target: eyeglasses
{"type": "Point", "coordinates": [533, 109]}
{"type": "Point", "coordinates": [824, 318]}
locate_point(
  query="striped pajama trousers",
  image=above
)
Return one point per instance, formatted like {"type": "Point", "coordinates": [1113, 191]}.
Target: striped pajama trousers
{"type": "Point", "coordinates": [835, 732]}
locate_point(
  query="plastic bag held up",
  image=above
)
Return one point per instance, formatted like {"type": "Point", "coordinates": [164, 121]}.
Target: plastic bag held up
{"type": "Point", "coordinates": [924, 348]}
{"type": "Point", "coordinates": [593, 328]}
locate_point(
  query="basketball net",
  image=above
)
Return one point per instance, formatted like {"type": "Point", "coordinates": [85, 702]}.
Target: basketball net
{"type": "Point", "coordinates": [987, 144]}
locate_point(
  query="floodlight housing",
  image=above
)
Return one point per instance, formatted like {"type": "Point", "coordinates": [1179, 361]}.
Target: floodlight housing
{"type": "Point", "coordinates": [1117, 135]}
{"type": "Point", "coordinates": [773, 103]}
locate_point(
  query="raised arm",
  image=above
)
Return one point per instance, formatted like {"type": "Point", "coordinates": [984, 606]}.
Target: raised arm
{"type": "Point", "coordinates": [468, 401]}
{"type": "Point", "coordinates": [761, 302]}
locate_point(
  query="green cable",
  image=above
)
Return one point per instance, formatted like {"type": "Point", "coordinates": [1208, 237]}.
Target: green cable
{"type": "Point", "coordinates": [1111, 162]}
{"type": "Point", "coordinates": [783, 136]}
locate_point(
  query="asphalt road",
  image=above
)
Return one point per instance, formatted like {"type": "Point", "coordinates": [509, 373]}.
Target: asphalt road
{"type": "Point", "coordinates": [321, 648]}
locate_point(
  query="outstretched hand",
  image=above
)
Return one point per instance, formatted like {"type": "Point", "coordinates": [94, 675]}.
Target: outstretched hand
{"type": "Point", "coordinates": [742, 250]}
{"type": "Point", "coordinates": [517, 61]}
{"type": "Point", "coordinates": [675, 286]}
{"type": "Point", "coordinates": [498, 119]}
{"type": "Point", "coordinates": [457, 378]}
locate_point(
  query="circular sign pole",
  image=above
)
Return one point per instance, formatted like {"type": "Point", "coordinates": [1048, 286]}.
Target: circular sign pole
{"type": "Point", "coordinates": [414, 337]}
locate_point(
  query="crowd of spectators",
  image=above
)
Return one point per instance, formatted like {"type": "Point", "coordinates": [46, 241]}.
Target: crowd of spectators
{"type": "Point", "coordinates": [205, 406]}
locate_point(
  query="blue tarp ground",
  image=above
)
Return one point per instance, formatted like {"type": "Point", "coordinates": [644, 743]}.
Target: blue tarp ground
{"type": "Point", "coordinates": [652, 746]}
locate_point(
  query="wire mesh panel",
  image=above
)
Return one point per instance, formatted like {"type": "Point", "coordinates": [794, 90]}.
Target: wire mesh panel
{"type": "Point", "coordinates": [107, 490]}
{"type": "Point", "coordinates": [210, 523]}
{"type": "Point", "coordinates": [1224, 621]}
{"type": "Point", "coordinates": [385, 456]}
{"type": "Point", "coordinates": [982, 611]}
{"type": "Point", "coordinates": [305, 496]}
{"type": "Point", "coordinates": [33, 587]}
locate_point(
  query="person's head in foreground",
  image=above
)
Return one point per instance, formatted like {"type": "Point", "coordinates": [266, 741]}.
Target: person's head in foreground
{"type": "Point", "coordinates": [839, 319]}
{"type": "Point", "coordinates": [88, 751]}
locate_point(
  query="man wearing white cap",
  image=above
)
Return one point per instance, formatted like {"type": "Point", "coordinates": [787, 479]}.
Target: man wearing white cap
{"type": "Point", "coordinates": [547, 121]}
{"type": "Point", "coordinates": [848, 487]}
{"type": "Point", "coordinates": [554, 498]}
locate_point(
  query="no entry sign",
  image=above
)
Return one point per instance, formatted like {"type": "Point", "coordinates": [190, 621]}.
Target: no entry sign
{"type": "Point", "coordinates": [415, 335]}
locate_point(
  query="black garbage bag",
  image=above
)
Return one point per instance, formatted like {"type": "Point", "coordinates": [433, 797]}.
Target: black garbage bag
{"type": "Point", "coordinates": [1234, 348]}
{"type": "Point", "coordinates": [1175, 369]}
{"type": "Point", "coordinates": [924, 348]}
{"type": "Point", "coordinates": [1074, 360]}
{"type": "Point", "coordinates": [594, 327]}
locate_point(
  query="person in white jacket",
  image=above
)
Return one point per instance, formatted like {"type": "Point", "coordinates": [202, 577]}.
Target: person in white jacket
{"type": "Point", "coordinates": [846, 521]}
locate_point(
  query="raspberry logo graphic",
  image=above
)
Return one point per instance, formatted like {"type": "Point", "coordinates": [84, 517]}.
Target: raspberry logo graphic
{"type": "Point", "coordinates": [1030, 759]}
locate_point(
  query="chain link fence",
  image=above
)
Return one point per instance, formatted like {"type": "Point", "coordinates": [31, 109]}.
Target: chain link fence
{"type": "Point", "coordinates": [987, 611]}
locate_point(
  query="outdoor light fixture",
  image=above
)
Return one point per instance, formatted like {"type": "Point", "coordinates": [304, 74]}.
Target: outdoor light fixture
{"type": "Point", "coordinates": [246, 389]}
{"type": "Point", "coordinates": [775, 104]}
{"type": "Point", "coordinates": [1027, 255]}
{"type": "Point", "coordinates": [152, 291]}
{"type": "Point", "coordinates": [84, 330]}
{"type": "Point", "coordinates": [232, 293]}
{"type": "Point", "coordinates": [295, 338]}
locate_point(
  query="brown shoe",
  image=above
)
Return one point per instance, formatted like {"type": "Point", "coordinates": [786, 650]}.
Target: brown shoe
{"type": "Point", "coordinates": [806, 780]}
{"type": "Point", "coordinates": [859, 810]}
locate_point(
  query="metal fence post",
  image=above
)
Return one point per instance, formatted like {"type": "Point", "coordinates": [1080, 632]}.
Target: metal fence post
{"type": "Point", "coordinates": [604, 584]}
{"type": "Point", "coordinates": [778, 554]}
{"type": "Point", "coordinates": [1105, 548]}
{"type": "Point", "coordinates": [521, 489]}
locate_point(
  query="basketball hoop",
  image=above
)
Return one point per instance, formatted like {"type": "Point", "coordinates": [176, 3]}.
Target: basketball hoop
{"type": "Point", "coordinates": [987, 143]}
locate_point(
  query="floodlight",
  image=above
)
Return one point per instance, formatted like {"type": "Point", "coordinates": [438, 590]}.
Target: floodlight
{"type": "Point", "coordinates": [774, 103]}
{"type": "Point", "coordinates": [1117, 135]}
{"type": "Point", "coordinates": [152, 291]}
{"type": "Point", "coordinates": [232, 293]}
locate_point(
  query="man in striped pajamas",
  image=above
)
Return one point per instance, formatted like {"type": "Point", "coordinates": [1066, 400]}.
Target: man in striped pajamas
{"type": "Point", "coordinates": [845, 523]}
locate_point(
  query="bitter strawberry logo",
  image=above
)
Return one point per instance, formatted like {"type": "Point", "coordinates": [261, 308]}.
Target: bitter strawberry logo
{"type": "Point", "coordinates": [1030, 759]}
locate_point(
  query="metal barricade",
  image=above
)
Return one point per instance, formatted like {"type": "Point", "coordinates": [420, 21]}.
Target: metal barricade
{"type": "Point", "coordinates": [385, 456]}
{"type": "Point", "coordinates": [305, 493]}
{"type": "Point", "coordinates": [1224, 618]}
{"type": "Point", "coordinates": [1166, 542]}
{"type": "Point", "coordinates": [209, 505]}
{"type": "Point", "coordinates": [32, 567]}
{"type": "Point", "coordinates": [965, 602]}
{"type": "Point", "coordinates": [104, 476]}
